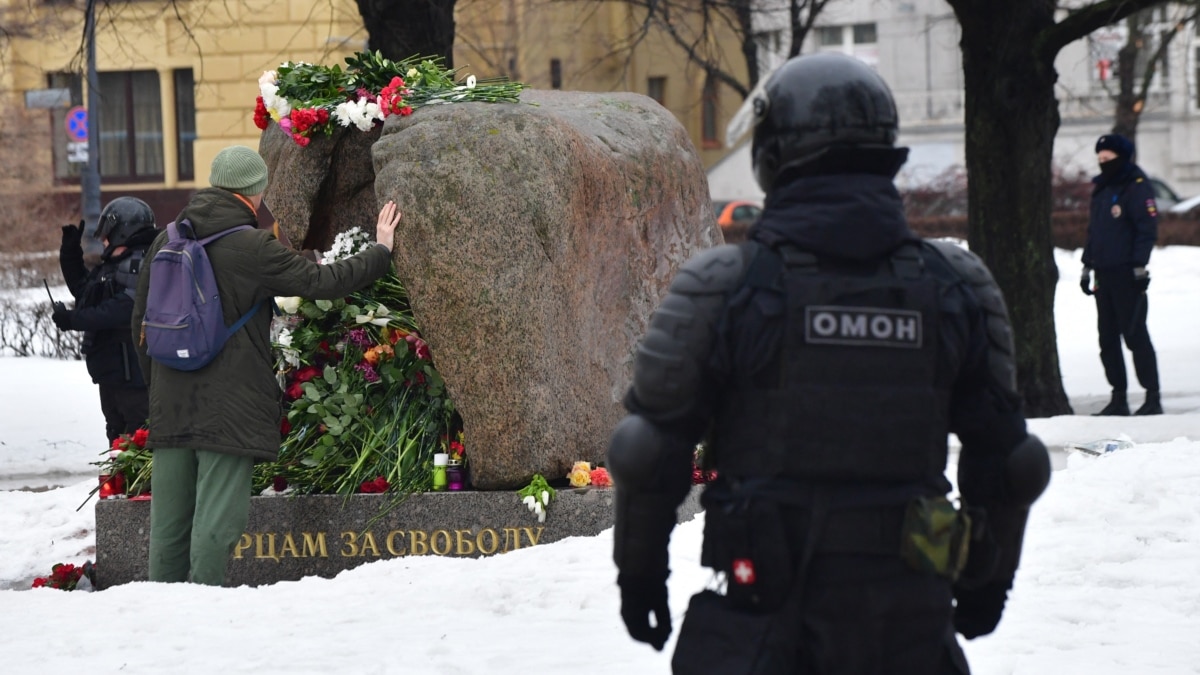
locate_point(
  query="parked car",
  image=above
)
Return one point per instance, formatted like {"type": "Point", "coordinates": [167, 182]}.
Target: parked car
{"type": "Point", "coordinates": [1186, 205]}
{"type": "Point", "coordinates": [735, 218]}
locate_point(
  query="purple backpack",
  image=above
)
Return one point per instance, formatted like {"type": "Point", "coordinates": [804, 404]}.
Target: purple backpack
{"type": "Point", "coordinates": [183, 326]}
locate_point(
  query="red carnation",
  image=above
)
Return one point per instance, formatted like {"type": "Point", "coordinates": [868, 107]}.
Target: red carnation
{"type": "Point", "coordinates": [378, 485]}
{"type": "Point", "coordinates": [306, 373]}
{"type": "Point", "coordinates": [262, 119]}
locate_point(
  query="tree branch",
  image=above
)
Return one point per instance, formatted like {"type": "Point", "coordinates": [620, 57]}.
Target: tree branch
{"type": "Point", "coordinates": [1082, 22]}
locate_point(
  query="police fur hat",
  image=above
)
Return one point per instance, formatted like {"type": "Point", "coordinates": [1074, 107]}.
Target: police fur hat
{"type": "Point", "coordinates": [1116, 143]}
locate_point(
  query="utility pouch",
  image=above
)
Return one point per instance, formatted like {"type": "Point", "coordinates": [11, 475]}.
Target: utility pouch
{"type": "Point", "coordinates": [748, 542]}
{"type": "Point", "coordinates": [935, 537]}
{"type": "Point", "coordinates": [718, 638]}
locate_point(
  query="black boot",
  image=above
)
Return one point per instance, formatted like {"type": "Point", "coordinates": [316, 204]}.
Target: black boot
{"type": "Point", "coordinates": [1118, 406]}
{"type": "Point", "coordinates": [1152, 406]}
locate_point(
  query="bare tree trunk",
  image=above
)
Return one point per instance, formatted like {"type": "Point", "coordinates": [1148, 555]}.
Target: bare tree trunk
{"type": "Point", "coordinates": [1130, 100]}
{"type": "Point", "coordinates": [1011, 119]}
{"type": "Point", "coordinates": [402, 28]}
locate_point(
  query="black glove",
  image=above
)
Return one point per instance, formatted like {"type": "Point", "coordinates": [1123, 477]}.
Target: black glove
{"type": "Point", "coordinates": [61, 316]}
{"type": "Point", "coordinates": [977, 612]}
{"type": "Point", "coordinates": [72, 236]}
{"type": "Point", "coordinates": [641, 597]}
{"type": "Point", "coordinates": [1141, 279]}
{"type": "Point", "coordinates": [1085, 281]}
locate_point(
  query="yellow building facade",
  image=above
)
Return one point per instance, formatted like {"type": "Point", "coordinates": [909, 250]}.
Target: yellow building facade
{"type": "Point", "coordinates": [178, 80]}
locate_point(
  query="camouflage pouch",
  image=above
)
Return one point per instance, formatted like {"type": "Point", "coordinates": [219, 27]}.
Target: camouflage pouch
{"type": "Point", "coordinates": [935, 537]}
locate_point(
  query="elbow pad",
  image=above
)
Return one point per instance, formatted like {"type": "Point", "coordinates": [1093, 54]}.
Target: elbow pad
{"type": "Point", "coordinates": [1027, 471]}
{"type": "Point", "coordinates": [669, 365]}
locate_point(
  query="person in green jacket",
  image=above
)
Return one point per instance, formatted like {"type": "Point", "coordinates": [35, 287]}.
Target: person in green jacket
{"type": "Point", "coordinates": [209, 426]}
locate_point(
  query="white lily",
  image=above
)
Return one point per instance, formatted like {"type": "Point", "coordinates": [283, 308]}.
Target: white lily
{"type": "Point", "coordinates": [529, 501]}
{"type": "Point", "coordinates": [537, 508]}
{"type": "Point", "coordinates": [545, 497]}
{"type": "Point", "coordinates": [378, 316]}
{"type": "Point", "coordinates": [542, 517]}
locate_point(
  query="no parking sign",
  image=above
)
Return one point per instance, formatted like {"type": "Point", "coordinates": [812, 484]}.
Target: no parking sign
{"type": "Point", "coordinates": [76, 124]}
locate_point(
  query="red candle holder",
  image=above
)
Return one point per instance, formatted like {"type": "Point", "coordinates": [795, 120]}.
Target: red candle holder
{"type": "Point", "coordinates": [112, 485]}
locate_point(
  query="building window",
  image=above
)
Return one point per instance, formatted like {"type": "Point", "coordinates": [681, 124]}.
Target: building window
{"type": "Point", "coordinates": [555, 74]}
{"type": "Point", "coordinates": [860, 40]}
{"type": "Point", "coordinates": [185, 122]}
{"type": "Point", "coordinates": [656, 88]}
{"type": "Point", "coordinates": [708, 113]}
{"type": "Point", "coordinates": [131, 137]}
{"type": "Point", "coordinates": [68, 160]}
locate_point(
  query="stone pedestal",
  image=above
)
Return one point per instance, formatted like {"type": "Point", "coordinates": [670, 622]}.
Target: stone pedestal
{"type": "Point", "coordinates": [289, 538]}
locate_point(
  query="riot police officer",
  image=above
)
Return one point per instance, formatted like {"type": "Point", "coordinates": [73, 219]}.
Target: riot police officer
{"type": "Point", "coordinates": [104, 304]}
{"type": "Point", "coordinates": [824, 363]}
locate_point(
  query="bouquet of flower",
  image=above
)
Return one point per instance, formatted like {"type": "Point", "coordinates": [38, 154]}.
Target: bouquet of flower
{"type": "Point", "coordinates": [129, 459]}
{"type": "Point", "coordinates": [65, 576]}
{"type": "Point", "coordinates": [582, 474]}
{"type": "Point", "coordinates": [701, 474]}
{"type": "Point", "coordinates": [305, 99]}
{"type": "Point", "coordinates": [537, 496]}
{"type": "Point", "coordinates": [366, 409]}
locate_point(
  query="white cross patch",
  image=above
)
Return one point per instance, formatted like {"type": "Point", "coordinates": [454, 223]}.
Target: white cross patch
{"type": "Point", "coordinates": [743, 571]}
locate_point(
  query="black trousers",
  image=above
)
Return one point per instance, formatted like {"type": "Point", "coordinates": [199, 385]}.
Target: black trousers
{"type": "Point", "coordinates": [1121, 313]}
{"type": "Point", "coordinates": [857, 615]}
{"type": "Point", "coordinates": [875, 615]}
{"type": "Point", "coordinates": [125, 409]}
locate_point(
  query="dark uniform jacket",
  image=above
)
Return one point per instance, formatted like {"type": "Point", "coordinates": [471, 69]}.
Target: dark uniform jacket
{"type": "Point", "coordinates": [1123, 222]}
{"type": "Point", "coordinates": [103, 304]}
{"type": "Point", "coordinates": [234, 404]}
{"type": "Point", "coordinates": [860, 220]}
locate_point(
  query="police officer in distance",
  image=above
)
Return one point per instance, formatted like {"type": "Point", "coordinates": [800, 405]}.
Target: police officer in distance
{"type": "Point", "coordinates": [104, 304]}
{"type": "Point", "coordinates": [824, 362]}
{"type": "Point", "coordinates": [1122, 231]}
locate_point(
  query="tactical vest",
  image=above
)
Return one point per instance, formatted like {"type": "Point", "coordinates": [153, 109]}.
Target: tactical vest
{"type": "Point", "coordinates": [853, 394]}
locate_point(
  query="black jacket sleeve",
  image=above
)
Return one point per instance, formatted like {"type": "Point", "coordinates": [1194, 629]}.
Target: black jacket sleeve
{"type": "Point", "coordinates": [111, 314]}
{"type": "Point", "coordinates": [75, 273]}
{"type": "Point", "coordinates": [1143, 215]}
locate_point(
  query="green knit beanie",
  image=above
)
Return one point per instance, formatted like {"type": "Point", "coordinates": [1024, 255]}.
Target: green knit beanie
{"type": "Point", "coordinates": [239, 169]}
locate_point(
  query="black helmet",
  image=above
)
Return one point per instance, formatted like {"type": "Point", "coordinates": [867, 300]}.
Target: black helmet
{"type": "Point", "coordinates": [122, 218]}
{"type": "Point", "coordinates": [818, 102]}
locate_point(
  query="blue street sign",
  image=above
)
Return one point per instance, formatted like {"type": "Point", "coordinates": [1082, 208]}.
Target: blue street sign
{"type": "Point", "coordinates": [77, 124]}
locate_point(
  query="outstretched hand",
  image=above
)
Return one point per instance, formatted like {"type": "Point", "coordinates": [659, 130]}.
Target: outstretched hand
{"type": "Point", "coordinates": [385, 227]}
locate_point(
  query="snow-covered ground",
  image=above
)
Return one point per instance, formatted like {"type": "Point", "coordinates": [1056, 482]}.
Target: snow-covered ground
{"type": "Point", "coordinates": [1110, 580]}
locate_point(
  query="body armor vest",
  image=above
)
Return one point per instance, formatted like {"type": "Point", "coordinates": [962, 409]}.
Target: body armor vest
{"type": "Point", "coordinates": [852, 394]}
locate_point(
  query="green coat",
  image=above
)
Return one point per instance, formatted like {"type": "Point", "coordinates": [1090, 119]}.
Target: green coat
{"type": "Point", "coordinates": [234, 404]}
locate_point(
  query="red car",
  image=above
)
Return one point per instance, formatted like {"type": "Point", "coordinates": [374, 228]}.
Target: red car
{"type": "Point", "coordinates": [736, 217]}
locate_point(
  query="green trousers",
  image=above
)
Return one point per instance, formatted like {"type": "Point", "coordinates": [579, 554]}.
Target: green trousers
{"type": "Point", "coordinates": [200, 502]}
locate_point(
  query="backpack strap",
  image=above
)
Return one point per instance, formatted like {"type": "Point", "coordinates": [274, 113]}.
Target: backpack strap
{"type": "Point", "coordinates": [237, 325]}
{"type": "Point", "coordinates": [208, 240]}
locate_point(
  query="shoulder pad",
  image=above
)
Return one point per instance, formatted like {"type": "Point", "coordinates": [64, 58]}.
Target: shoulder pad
{"type": "Point", "coordinates": [972, 271]}
{"type": "Point", "coordinates": [714, 270]}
